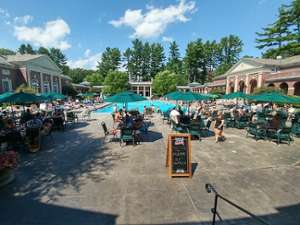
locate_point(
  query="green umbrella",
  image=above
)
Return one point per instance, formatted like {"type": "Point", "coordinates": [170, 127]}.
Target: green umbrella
{"type": "Point", "coordinates": [188, 96]}
{"type": "Point", "coordinates": [273, 97]}
{"type": "Point", "coordinates": [235, 95]}
{"type": "Point", "coordinates": [212, 96]}
{"type": "Point", "coordinates": [88, 94]}
{"type": "Point", "coordinates": [52, 96]}
{"type": "Point", "coordinates": [20, 98]}
{"type": "Point", "coordinates": [6, 94]}
{"type": "Point", "coordinates": [172, 94]}
{"type": "Point", "coordinates": [125, 97]}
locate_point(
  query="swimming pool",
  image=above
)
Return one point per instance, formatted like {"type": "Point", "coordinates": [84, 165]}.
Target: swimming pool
{"type": "Point", "coordinates": [164, 106]}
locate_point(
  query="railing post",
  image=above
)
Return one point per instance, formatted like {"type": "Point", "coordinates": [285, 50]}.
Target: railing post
{"type": "Point", "coordinates": [215, 209]}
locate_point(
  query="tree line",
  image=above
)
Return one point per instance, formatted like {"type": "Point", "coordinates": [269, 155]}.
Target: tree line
{"type": "Point", "coordinates": [282, 37]}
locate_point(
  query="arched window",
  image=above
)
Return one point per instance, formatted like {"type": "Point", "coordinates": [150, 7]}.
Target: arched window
{"type": "Point", "coordinates": [271, 85]}
{"type": "Point", "coordinates": [253, 85]}
{"type": "Point", "coordinates": [242, 86]}
{"type": "Point", "coordinates": [297, 88]}
{"type": "Point", "coordinates": [284, 87]}
{"type": "Point", "coordinates": [231, 87]}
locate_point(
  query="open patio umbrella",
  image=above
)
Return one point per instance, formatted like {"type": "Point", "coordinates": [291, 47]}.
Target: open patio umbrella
{"type": "Point", "coordinates": [234, 95]}
{"type": "Point", "coordinates": [273, 97]}
{"type": "Point", "coordinates": [20, 98]}
{"type": "Point", "coordinates": [52, 96]}
{"type": "Point", "coordinates": [6, 94]}
{"type": "Point", "coordinates": [188, 96]}
{"type": "Point", "coordinates": [125, 97]}
{"type": "Point", "coordinates": [172, 94]}
{"type": "Point", "coordinates": [88, 94]}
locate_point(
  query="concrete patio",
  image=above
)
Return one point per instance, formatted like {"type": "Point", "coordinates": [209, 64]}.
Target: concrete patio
{"type": "Point", "coordinates": [79, 179]}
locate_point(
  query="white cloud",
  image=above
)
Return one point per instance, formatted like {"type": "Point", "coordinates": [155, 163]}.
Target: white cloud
{"type": "Point", "coordinates": [89, 61]}
{"type": "Point", "coordinates": [167, 39]}
{"type": "Point", "coordinates": [23, 20]}
{"type": "Point", "coordinates": [154, 21]}
{"type": "Point", "coordinates": [52, 34]}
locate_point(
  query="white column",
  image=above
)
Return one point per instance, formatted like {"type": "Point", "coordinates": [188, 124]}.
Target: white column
{"type": "Point", "coordinates": [28, 78]}
{"type": "Point", "coordinates": [236, 84]}
{"type": "Point", "coordinates": [247, 84]}
{"type": "Point", "coordinates": [150, 91]}
{"type": "Point", "coordinates": [259, 81]}
{"type": "Point", "coordinates": [42, 82]}
{"type": "Point", "coordinates": [227, 86]}
{"type": "Point", "coordinates": [51, 82]}
{"type": "Point", "coordinates": [59, 83]}
{"type": "Point", "coordinates": [144, 91]}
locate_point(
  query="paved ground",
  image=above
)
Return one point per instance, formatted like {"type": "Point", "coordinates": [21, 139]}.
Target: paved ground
{"type": "Point", "coordinates": [78, 179]}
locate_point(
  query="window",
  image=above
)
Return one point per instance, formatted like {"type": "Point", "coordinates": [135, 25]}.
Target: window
{"type": "Point", "coordinates": [275, 69]}
{"type": "Point", "coordinates": [6, 85]}
{"type": "Point", "coordinates": [55, 87]}
{"type": "Point", "coordinates": [46, 87]}
{"type": "Point", "coordinates": [5, 72]}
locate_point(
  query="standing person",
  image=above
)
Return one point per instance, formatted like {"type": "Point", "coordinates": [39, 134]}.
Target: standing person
{"type": "Point", "coordinates": [219, 126]}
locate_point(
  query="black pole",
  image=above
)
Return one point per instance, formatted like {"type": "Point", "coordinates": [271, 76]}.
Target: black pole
{"type": "Point", "coordinates": [215, 209]}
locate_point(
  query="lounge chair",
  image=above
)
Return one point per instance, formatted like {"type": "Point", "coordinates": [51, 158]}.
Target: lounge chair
{"type": "Point", "coordinates": [257, 130]}
{"type": "Point", "coordinates": [242, 122]}
{"type": "Point", "coordinates": [166, 116]}
{"type": "Point", "coordinates": [195, 130]}
{"type": "Point", "coordinates": [280, 135]}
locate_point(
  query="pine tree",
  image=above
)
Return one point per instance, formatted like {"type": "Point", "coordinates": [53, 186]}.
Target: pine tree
{"type": "Point", "coordinates": [157, 59]}
{"type": "Point", "coordinates": [174, 63]}
{"type": "Point", "coordinates": [110, 61]}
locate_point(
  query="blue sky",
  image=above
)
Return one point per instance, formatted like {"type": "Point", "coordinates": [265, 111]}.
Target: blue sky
{"type": "Point", "coordinates": [83, 29]}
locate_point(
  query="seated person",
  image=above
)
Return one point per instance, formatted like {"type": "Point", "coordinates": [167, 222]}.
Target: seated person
{"type": "Point", "coordinates": [174, 115]}
{"type": "Point", "coordinates": [26, 116]}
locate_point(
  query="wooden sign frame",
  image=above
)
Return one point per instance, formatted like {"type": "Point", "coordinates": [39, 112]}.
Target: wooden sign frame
{"type": "Point", "coordinates": [169, 156]}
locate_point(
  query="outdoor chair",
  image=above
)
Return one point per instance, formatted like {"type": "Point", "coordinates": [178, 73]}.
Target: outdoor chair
{"type": "Point", "coordinates": [280, 135]}
{"type": "Point", "coordinates": [204, 128]}
{"type": "Point", "coordinates": [242, 122]}
{"type": "Point", "coordinates": [71, 117]}
{"type": "Point", "coordinates": [194, 130]}
{"type": "Point", "coordinates": [166, 116]}
{"type": "Point", "coordinates": [177, 127]}
{"type": "Point", "coordinates": [296, 129]}
{"type": "Point", "coordinates": [86, 114]}
{"type": "Point", "coordinates": [106, 132]}
{"type": "Point", "coordinates": [126, 136]}
{"type": "Point", "coordinates": [228, 120]}
{"type": "Point", "coordinates": [257, 130]}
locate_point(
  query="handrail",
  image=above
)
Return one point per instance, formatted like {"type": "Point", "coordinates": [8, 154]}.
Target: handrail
{"type": "Point", "coordinates": [211, 189]}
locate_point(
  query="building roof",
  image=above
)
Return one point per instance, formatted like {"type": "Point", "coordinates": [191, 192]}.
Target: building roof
{"type": "Point", "coordinates": [283, 63]}
{"type": "Point", "coordinates": [3, 61]}
{"type": "Point", "coordinates": [21, 58]}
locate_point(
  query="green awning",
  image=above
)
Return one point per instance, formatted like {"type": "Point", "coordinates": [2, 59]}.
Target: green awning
{"type": "Point", "coordinates": [234, 95]}
{"type": "Point", "coordinates": [273, 97]}
{"type": "Point", "coordinates": [20, 98]}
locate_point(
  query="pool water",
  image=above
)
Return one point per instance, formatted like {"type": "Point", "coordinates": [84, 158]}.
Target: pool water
{"type": "Point", "coordinates": [164, 106]}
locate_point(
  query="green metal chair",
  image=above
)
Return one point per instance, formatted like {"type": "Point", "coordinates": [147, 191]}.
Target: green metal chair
{"type": "Point", "coordinates": [257, 130]}
{"type": "Point", "coordinates": [166, 116]}
{"type": "Point", "coordinates": [228, 120]}
{"type": "Point", "coordinates": [177, 127]}
{"type": "Point", "coordinates": [126, 136]}
{"type": "Point", "coordinates": [194, 130]}
{"type": "Point", "coordinates": [242, 122]}
{"type": "Point", "coordinates": [283, 134]}
{"type": "Point", "coordinates": [296, 129]}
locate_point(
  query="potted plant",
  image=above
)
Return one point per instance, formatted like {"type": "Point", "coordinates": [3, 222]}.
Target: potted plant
{"type": "Point", "coordinates": [8, 161]}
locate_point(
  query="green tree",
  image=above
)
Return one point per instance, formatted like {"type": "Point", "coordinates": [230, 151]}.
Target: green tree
{"type": "Point", "coordinates": [95, 79]}
{"type": "Point", "coordinates": [174, 63]}
{"type": "Point", "coordinates": [26, 49]}
{"type": "Point", "coordinates": [43, 51]}
{"type": "Point", "coordinates": [59, 59]}
{"type": "Point", "coordinates": [157, 59]}
{"type": "Point", "coordinates": [78, 75]}
{"type": "Point", "coordinates": [110, 60]}
{"type": "Point", "coordinates": [282, 38]}
{"type": "Point", "coordinates": [115, 82]}
{"type": "Point", "coordinates": [166, 81]}
{"type": "Point", "coordinates": [5, 51]}
{"type": "Point", "coordinates": [69, 90]}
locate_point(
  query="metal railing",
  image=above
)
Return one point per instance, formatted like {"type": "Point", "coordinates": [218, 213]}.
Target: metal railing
{"type": "Point", "coordinates": [210, 189]}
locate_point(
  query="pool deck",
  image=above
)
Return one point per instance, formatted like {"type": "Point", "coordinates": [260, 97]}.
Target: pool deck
{"type": "Point", "coordinates": [78, 179]}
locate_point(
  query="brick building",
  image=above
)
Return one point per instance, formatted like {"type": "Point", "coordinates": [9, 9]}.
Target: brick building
{"type": "Point", "coordinates": [251, 73]}
{"type": "Point", "coordinates": [37, 71]}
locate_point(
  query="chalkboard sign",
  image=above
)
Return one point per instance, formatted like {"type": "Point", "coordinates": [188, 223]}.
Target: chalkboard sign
{"type": "Point", "coordinates": [179, 155]}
